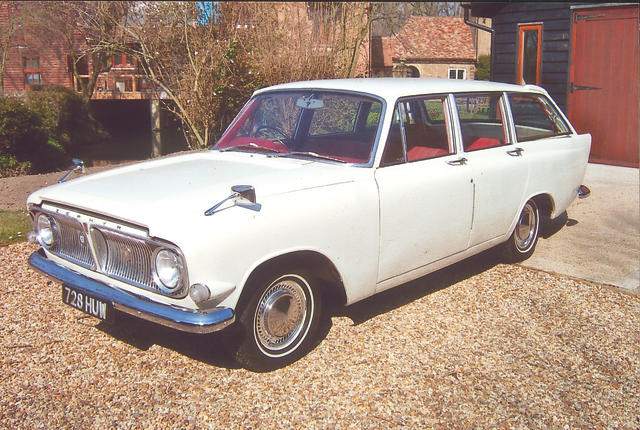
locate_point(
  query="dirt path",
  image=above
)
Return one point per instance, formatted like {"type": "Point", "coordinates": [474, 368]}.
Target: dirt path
{"type": "Point", "coordinates": [15, 190]}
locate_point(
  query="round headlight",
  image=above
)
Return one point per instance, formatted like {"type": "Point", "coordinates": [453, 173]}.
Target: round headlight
{"type": "Point", "coordinates": [45, 230]}
{"type": "Point", "coordinates": [168, 269]}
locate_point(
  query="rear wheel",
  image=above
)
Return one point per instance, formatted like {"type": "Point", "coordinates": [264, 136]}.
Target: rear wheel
{"type": "Point", "coordinates": [524, 238]}
{"type": "Point", "coordinates": [278, 320]}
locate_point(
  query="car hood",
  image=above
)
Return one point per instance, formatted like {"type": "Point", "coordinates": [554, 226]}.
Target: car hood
{"type": "Point", "coordinates": [186, 185]}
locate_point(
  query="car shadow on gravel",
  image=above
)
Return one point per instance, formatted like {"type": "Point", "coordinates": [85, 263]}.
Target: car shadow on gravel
{"type": "Point", "coordinates": [207, 348]}
{"type": "Point", "coordinates": [406, 293]}
{"type": "Point", "coordinates": [212, 349]}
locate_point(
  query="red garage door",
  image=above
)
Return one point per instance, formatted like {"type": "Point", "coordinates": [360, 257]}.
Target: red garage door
{"type": "Point", "coordinates": [603, 93]}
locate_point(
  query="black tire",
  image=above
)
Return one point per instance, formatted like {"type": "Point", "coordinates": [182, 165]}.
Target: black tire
{"type": "Point", "coordinates": [278, 320]}
{"type": "Point", "coordinates": [524, 238]}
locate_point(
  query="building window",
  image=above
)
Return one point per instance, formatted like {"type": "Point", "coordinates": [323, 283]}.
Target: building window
{"type": "Point", "coordinates": [457, 74]}
{"type": "Point", "coordinates": [123, 61]}
{"type": "Point", "coordinates": [32, 75]}
{"type": "Point", "coordinates": [413, 72]}
{"type": "Point", "coordinates": [529, 53]}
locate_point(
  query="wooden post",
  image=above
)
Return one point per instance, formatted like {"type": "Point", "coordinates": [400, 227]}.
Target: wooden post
{"type": "Point", "coordinates": [156, 142]}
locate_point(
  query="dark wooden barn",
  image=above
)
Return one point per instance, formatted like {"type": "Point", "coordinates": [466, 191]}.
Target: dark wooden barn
{"type": "Point", "coordinates": [585, 55]}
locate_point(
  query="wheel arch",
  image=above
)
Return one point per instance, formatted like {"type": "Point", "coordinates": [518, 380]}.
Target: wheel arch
{"type": "Point", "coordinates": [316, 263]}
{"type": "Point", "coordinates": [544, 202]}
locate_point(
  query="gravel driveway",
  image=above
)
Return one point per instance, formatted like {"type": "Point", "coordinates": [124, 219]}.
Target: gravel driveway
{"type": "Point", "coordinates": [474, 345]}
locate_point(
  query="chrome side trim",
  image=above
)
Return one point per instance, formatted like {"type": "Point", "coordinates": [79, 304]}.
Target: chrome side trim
{"type": "Point", "coordinates": [183, 319]}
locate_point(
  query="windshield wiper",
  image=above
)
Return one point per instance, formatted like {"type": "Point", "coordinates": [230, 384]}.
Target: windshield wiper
{"type": "Point", "coordinates": [249, 145]}
{"type": "Point", "coordinates": [311, 154]}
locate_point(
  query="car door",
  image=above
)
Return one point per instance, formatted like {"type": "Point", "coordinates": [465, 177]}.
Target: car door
{"type": "Point", "coordinates": [424, 187]}
{"type": "Point", "coordinates": [499, 168]}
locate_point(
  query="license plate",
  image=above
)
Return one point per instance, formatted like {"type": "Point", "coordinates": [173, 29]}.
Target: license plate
{"type": "Point", "coordinates": [86, 303]}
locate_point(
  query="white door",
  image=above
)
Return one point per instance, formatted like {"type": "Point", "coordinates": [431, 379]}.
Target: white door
{"type": "Point", "coordinates": [499, 169]}
{"type": "Point", "coordinates": [426, 193]}
{"type": "Point", "coordinates": [499, 180]}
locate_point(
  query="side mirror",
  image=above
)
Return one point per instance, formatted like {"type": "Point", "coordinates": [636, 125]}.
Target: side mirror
{"type": "Point", "coordinates": [78, 164]}
{"type": "Point", "coordinates": [242, 195]}
{"type": "Point", "coordinates": [246, 193]}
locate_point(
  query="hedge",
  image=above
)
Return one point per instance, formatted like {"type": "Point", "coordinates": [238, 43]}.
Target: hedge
{"type": "Point", "coordinates": [40, 128]}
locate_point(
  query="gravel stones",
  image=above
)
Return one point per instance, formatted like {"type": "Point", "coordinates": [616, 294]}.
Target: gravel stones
{"type": "Point", "coordinates": [475, 345]}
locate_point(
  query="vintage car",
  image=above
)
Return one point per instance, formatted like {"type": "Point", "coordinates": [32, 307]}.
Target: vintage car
{"type": "Point", "coordinates": [331, 187]}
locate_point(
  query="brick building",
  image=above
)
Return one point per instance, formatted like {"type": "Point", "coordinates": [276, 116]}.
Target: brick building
{"type": "Point", "coordinates": [123, 100]}
{"type": "Point", "coordinates": [430, 47]}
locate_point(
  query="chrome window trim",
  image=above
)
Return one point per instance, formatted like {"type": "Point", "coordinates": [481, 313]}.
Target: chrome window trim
{"type": "Point", "coordinates": [508, 118]}
{"type": "Point", "coordinates": [455, 117]}
{"type": "Point", "coordinates": [403, 137]}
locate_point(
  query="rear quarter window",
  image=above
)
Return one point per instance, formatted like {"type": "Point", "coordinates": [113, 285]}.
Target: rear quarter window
{"type": "Point", "coordinates": [535, 117]}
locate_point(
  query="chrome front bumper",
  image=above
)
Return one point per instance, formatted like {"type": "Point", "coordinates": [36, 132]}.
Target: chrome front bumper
{"type": "Point", "coordinates": [182, 319]}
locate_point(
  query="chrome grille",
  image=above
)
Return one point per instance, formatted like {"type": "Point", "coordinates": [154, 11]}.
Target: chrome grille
{"type": "Point", "coordinates": [128, 259]}
{"type": "Point", "coordinates": [127, 255]}
{"type": "Point", "coordinates": [72, 242]}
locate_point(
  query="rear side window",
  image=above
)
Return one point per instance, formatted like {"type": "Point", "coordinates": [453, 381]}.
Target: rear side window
{"type": "Point", "coordinates": [535, 117]}
{"type": "Point", "coordinates": [481, 121]}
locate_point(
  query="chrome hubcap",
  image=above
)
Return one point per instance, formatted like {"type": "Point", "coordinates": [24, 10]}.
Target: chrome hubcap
{"type": "Point", "coordinates": [281, 314]}
{"type": "Point", "coordinates": [526, 228]}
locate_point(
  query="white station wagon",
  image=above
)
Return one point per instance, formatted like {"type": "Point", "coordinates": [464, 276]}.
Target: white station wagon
{"type": "Point", "coordinates": [348, 187]}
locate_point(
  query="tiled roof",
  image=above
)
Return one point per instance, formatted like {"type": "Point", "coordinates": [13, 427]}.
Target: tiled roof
{"type": "Point", "coordinates": [429, 37]}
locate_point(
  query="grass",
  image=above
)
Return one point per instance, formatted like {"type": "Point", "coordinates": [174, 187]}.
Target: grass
{"type": "Point", "coordinates": [14, 226]}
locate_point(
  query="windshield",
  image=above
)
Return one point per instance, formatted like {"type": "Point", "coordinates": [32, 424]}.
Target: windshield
{"type": "Point", "coordinates": [318, 124]}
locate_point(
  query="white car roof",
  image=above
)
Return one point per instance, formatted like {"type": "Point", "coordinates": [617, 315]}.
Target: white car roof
{"type": "Point", "coordinates": [392, 88]}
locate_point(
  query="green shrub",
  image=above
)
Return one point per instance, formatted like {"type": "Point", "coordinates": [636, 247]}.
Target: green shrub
{"type": "Point", "coordinates": [9, 166]}
{"type": "Point", "coordinates": [483, 71]}
{"type": "Point", "coordinates": [65, 115]}
{"type": "Point", "coordinates": [24, 143]}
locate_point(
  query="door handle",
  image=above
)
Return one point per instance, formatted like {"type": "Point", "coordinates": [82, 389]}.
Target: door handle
{"type": "Point", "coordinates": [516, 152]}
{"type": "Point", "coordinates": [458, 162]}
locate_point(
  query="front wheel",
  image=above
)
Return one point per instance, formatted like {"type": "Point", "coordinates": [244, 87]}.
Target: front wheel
{"type": "Point", "coordinates": [278, 320]}
{"type": "Point", "coordinates": [522, 242]}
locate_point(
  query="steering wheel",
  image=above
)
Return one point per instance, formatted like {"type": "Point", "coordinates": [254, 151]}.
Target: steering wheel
{"type": "Point", "coordinates": [272, 128]}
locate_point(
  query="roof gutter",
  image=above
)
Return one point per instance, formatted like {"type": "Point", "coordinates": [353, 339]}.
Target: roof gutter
{"type": "Point", "coordinates": [467, 20]}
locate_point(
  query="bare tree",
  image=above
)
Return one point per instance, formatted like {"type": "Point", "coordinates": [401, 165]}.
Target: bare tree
{"type": "Point", "coordinates": [88, 32]}
{"type": "Point", "coordinates": [195, 62]}
{"type": "Point", "coordinates": [10, 33]}
{"type": "Point", "coordinates": [206, 63]}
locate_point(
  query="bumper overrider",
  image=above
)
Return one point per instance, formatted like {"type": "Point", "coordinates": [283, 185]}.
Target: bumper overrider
{"type": "Point", "coordinates": [188, 320]}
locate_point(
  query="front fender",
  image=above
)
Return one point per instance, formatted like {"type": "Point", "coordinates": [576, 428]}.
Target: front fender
{"type": "Point", "coordinates": [338, 221]}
